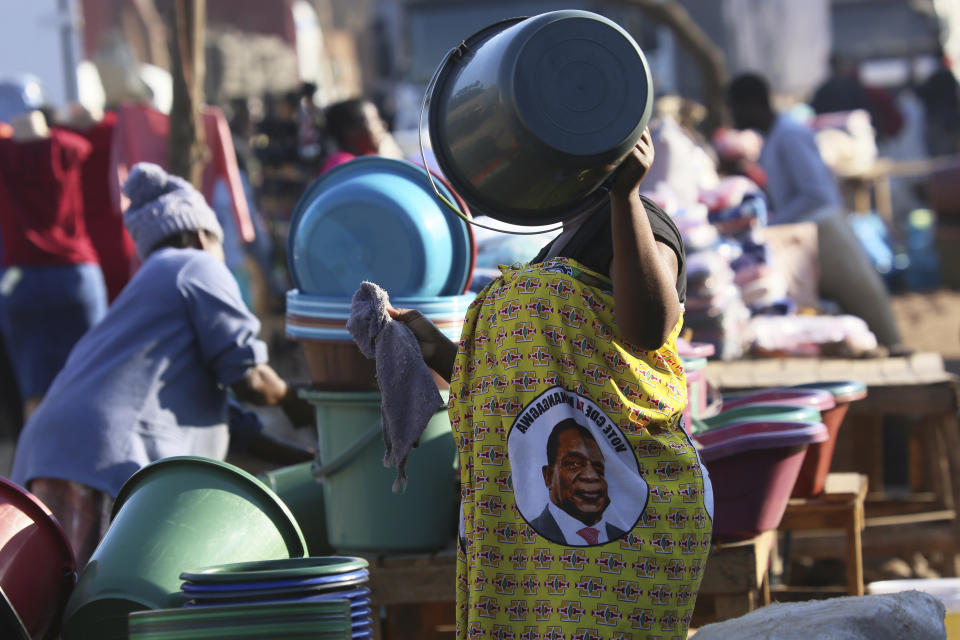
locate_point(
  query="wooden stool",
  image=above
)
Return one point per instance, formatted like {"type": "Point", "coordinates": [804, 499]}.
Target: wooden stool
{"type": "Point", "coordinates": [418, 592]}
{"type": "Point", "coordinates": [840, 506]}
{"type": "Point", "coordinates": [735, 579]}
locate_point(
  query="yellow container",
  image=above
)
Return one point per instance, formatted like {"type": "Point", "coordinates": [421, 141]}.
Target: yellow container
{"type": "Point", "coordinates": [947, 590]}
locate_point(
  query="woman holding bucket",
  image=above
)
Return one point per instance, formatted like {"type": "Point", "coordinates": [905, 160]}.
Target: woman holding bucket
{"type": "Point", "coordinates": [578, 479]}
{"type": "Point", "coordinates": [585, 510]}
{"type": "Point", "coordinates": [150, 380]}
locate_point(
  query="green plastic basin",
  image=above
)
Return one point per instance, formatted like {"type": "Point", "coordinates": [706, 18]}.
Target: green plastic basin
{"type": "Point", "coordinates": [760, 413]}
{"type": "Point", "coordinates": [842, 390]}
{"type": "Point", "coordinates": [329, 620]}
{"type": "Point", "coordinates": [171, 516]}
{"type": "Point", "coordinates": [275, 570]}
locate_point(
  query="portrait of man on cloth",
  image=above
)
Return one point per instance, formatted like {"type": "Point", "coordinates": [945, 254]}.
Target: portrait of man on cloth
{"type": "Point", "coordinates": [580, 484]}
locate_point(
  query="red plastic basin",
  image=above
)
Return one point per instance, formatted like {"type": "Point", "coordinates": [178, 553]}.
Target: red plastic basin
{"type": "Point", "coordinates": [753, 467]}
{"type": "Point", "coordinates": [818, 399]}
{"type": "Point", "coordinates": [37, 567]}
{"type": "Point", "coordinates": [816, 465]}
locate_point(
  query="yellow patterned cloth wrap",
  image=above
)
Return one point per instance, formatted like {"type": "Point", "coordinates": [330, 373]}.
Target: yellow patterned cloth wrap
{"type": "Point", "coordinates": [605, 534]}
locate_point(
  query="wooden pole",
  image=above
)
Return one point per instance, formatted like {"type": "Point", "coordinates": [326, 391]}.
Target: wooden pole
{"type": "Point", "coordinates": [188, 153]}
{"type": "Point", "coordinates": [708, 56]}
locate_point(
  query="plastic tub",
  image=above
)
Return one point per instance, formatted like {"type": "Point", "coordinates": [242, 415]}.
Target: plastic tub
{"type": "Point", "coordinates": [267, 572]}
{"type": "Point", "coordinates": [529, 116]}
{"type": "Point", "coordinates": [783, 396]}
{"type": "Point", "coordinates": [10, 623]}
{"type": "Point", "coordinates": [299, 490]}
{"type": "Point", "coordinates": [694, 367]}
{"type": "Point", "coordinates": [753, 467]}
{"type": "Point", "coordinates": [359, 600]}
{"type": "Point", "coordinates": [760, 413]}
{"type": "Point", "coordinates": [319, 324]}
{"type": "Point", "coordinates": [378, 219]}
{"type": "Point", "coordinates": [37, 566]}
{"type": "Point", "coordinates": [172, 515]}
{"type": "Point", "coordinates": [322, 318]}
{"type": "Point", "coordinates": [813, 475]}
{"type": "Point", "coordinates": [363, 512]}
{"type": "Point", "coordinates": [328, 620]}
{"type": "Point", "coordinates": [947, 590]}
{"type": "Point", "coordinates": [244, 591]}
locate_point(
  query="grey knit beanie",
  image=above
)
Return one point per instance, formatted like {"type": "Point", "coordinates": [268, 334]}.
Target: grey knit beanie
{"type": "Point", "coordinates": [161, 205]}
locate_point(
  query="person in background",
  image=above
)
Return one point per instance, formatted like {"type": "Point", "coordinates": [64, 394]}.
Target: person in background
{"type": "Point", "coordinates": [151, 380]}
{"type": "Point", "coordinates": [940, 95]}
{"type": "Point", "coordinates": [53, 289]}
{"type": "Point", "coordinates": [801, 188]}
{"type": "Point", "coordinates": [842, 90]}
{"type": "Point", "coordinates": [357, 129]}
{"type": "Point", "coordinates": [845, 91]}
{"type": "Point", "coordinates": [310, 126]}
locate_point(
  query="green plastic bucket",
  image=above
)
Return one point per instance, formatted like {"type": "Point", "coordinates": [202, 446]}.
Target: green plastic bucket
{"type": "Point", "coordinates": [327, 620]}
{"type": "Point", "coordinates": [303, 494]}
{"type": "Point", "coordinates": [171, 516]}
{"type": "Point", "coordinates": [363, 512]}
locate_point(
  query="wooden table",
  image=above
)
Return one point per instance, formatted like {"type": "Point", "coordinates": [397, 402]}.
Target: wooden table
{"type": "Point", "coordinates": [915, 388]}
{"type": "Point", "coordinates": [734, 583]}
{"type": "Point", "coordinates": [840, 506]}
{"type": "Point", "coordinates": [735, 579]}
{"type": "Point", "coordinates": [424, 580]}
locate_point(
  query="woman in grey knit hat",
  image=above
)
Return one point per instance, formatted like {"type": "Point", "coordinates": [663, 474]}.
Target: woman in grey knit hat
{"type": "Point", "coordinates": [150, 380]}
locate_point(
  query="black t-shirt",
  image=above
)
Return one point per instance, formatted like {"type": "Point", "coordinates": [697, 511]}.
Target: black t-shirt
{"type": "Point", "coordinates": [592, 243]}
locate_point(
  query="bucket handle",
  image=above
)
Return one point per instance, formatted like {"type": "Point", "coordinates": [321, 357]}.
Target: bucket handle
{"type": "Point", "coordinates": [321, 471]}
{"type": "Point", "coordinates": [458, 51]}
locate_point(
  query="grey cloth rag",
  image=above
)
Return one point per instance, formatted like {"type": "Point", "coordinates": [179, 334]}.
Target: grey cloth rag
{"type": "Point", "coordinates": [409, 395]}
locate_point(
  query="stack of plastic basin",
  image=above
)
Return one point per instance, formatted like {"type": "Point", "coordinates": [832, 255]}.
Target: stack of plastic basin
{"type": "Point", "coordinates": [170, 516]}
{"type": "Point", "coordinates": [323, 620]}
{"type": "Point", "coordinates": [697, 393]}
{"type": "Point", "coordinates": [37, 566]}
{"type": "Point", "coordinates": [694, 357]}
{"type": "Point", "coordinates": [832, 400]}
{"type": "Point", "coordinates": [757, 413]}
{"type": "Point", "coordinates": [376, 220]}
{"type": "Point", "coordinates": [379, 220]}
{"type": "Point", "coordinates": [363, 513]}
{"type": "Point", "coordinates": [753, 465]}
{"type": "Point", "coordinates": [319, 324]}
{"type": "Point", "coordinates": [844, 393]}
{"type": "Point", "coordinates": [318, 581]}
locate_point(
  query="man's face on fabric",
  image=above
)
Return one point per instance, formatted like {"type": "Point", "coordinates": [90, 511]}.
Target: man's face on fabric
{"type": "Point", "coordinates": [576, 478]}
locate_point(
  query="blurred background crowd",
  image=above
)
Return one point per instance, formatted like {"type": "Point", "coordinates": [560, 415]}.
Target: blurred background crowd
{"type": "Point", "coordinates": [279, 91]}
